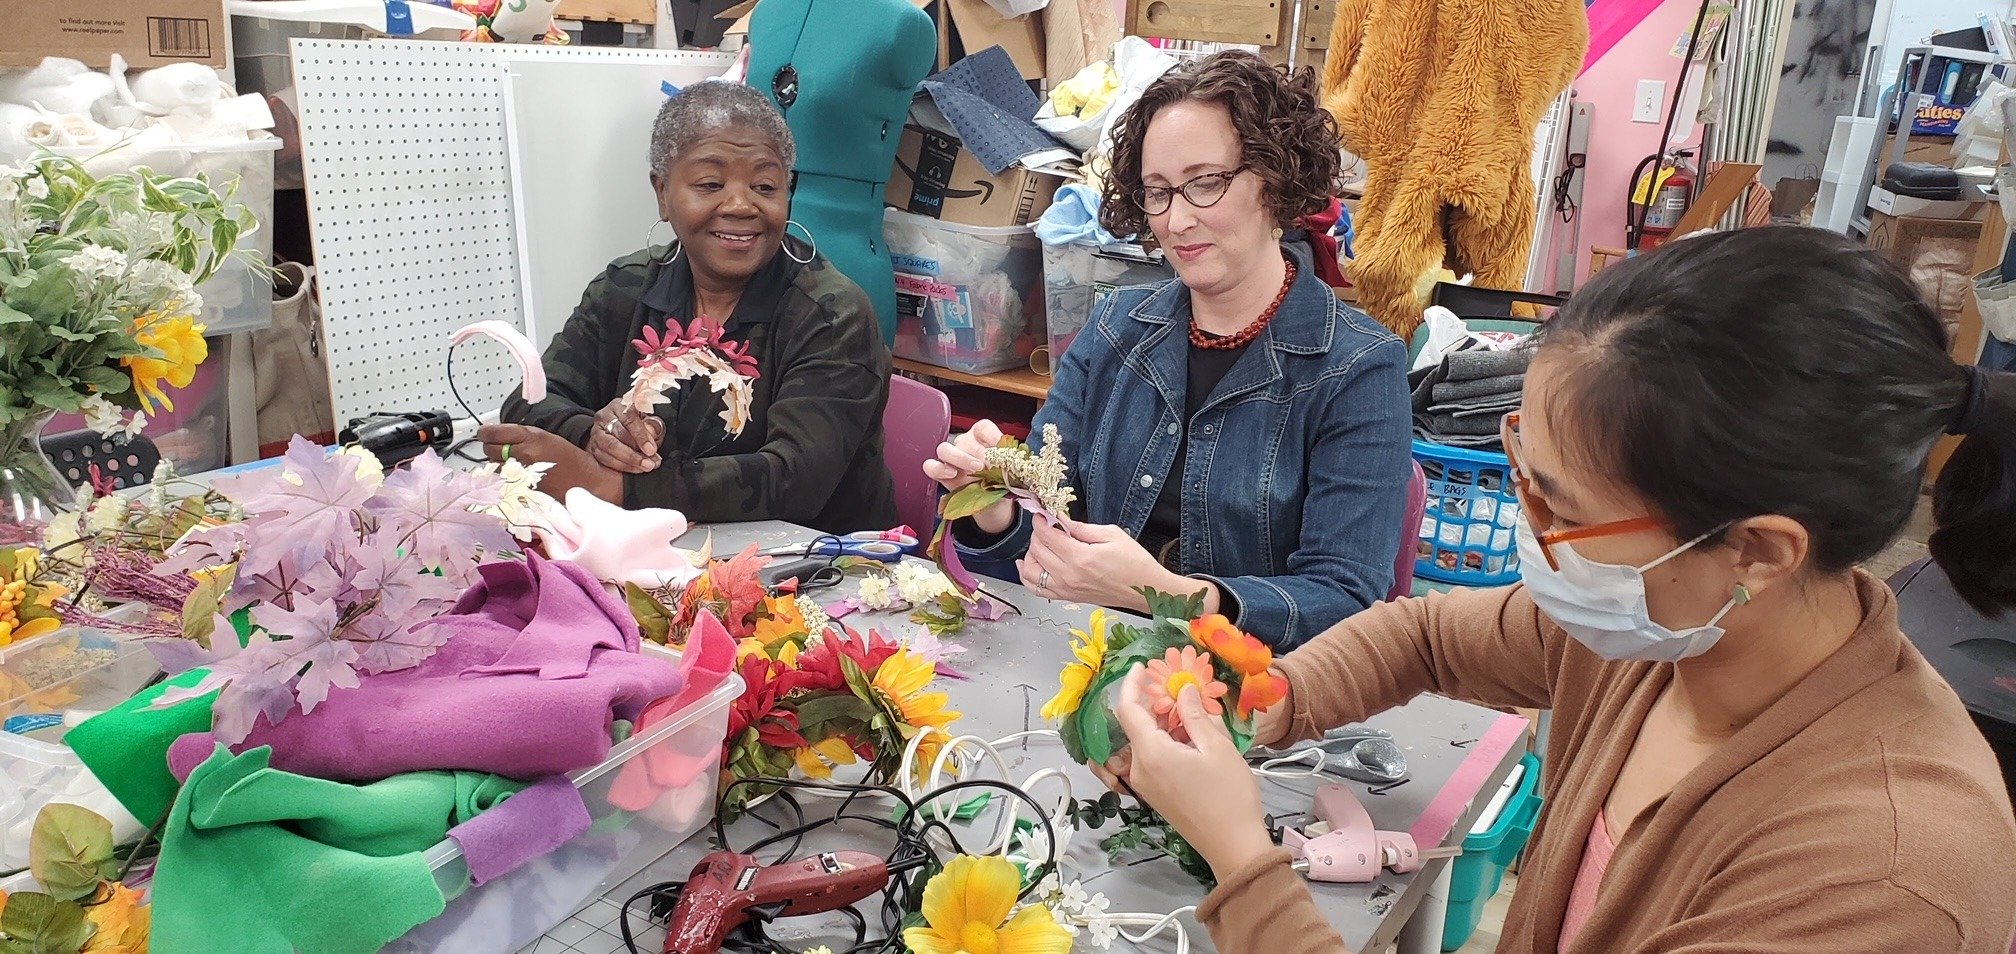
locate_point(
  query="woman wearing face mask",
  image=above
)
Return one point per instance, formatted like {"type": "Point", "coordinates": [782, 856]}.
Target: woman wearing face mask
{"type": "Point", "coordinates": [1238, 432]}
{"type": "Point", "coordinates": [811, 450]}
{"type": "Point", "coordinates": [1746, 755]}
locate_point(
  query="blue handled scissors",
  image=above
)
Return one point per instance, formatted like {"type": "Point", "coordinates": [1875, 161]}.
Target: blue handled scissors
{"type": "Point", "coordinates": [884, 546]}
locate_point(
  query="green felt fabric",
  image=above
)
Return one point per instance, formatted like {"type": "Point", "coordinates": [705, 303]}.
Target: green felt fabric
{"type": "Point", "coordinates": [127, 747]}
{"type": "Point", "coordinates": [254, 859]}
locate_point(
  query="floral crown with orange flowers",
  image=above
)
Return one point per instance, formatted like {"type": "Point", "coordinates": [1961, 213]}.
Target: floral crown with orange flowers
{"type": "Point", "coordinates": [1180, 646]}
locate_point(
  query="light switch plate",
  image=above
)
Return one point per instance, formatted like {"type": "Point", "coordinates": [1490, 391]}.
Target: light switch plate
{"type": "Point", "coordinates": [1651, 96]}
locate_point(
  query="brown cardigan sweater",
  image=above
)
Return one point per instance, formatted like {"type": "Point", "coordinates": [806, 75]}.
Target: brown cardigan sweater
{"type": "Point", "coordinates": [1861, 812]}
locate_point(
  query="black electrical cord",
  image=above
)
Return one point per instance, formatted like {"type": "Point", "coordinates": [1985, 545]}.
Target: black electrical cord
{"type": "Point", "coordinates": [1635, 214]}
{"type": "Point", "coordinates": [912, 851]}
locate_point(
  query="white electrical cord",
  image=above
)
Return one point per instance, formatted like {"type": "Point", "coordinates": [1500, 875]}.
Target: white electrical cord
{"type": "Point", "coordinates": [1280, 767]}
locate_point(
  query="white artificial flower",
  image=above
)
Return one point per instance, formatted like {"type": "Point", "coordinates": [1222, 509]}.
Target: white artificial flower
{"type": "Point", "coordinates": [10, 182]}
{"type": "Point", "coordinates": [875, 593]}
{"type": "Point", "coordinates": [107, 514]}
{"type": "Point", "coordinates": [370, 469]}
{"type": "Point", "coordinates": [520, 503]}
{"type": "Point", "coordinates": [37, 188]}
{"type": "Point", "coordinates": [101, 415]}
{"type": "Point", "coordinates": [61, 533]}
{"type": "Point", "coordinates": [816, 620]}
{"type": "Point", "coordinates": [918, 584]}
{"type": "Point", "coordinates": [1102, 930]}
{"type": "Point", "coordinates": [1074, 893]}
{"type": "Point", "coordinates": [94, 262]}
{"type": "Point", "coordinates": [156, 280]}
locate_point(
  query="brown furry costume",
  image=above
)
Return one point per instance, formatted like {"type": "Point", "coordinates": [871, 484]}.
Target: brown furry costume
{"type": "Point", "coordinates": [1441, 98]}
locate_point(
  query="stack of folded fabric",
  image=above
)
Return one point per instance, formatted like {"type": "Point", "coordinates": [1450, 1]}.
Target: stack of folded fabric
{"type": "Point", "coordinates": [1460, 402]}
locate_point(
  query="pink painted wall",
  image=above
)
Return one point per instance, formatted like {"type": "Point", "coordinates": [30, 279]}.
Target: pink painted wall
{"type": "Point", "coordinates": [1616, 144]}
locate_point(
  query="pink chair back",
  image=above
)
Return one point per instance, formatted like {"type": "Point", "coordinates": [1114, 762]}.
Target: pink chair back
{"type": "Point", "coordinates": [917, 420]}
{"type": "Point", "coordinates": [1410, 536]}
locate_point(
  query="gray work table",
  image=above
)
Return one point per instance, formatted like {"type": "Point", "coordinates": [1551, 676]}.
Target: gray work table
{"type": "Point", "coordinates": [1014, 663]}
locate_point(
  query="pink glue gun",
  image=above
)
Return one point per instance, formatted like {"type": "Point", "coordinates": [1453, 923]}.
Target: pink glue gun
{"type": "Point", "coordinates": [1342, 846]}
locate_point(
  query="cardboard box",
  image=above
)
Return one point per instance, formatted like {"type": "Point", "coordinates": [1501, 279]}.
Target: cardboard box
{"type": "Point", "coordinates": [1885, 202]}
{"type": "Point", "coordinates": [146, 32]}
{"type": "Point", "coordinates": [976, 25]}
{"type": "Point", "coordinates": [937, 178]}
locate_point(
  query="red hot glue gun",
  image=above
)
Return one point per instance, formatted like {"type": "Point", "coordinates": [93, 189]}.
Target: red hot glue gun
{"type": "Point", "coordinates": [727, 890]}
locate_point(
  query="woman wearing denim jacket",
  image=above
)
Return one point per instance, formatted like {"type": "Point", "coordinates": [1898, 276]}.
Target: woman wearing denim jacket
{"type": "Point", "coordinates": [1239, 432]}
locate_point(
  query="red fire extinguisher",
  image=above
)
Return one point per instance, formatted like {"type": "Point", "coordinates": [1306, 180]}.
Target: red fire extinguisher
{"type": "Point", "coordinates": [1670, 202]}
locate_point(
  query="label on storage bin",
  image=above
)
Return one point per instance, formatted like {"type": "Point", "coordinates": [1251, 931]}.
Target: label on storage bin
{"type": "Point", "coordinates": [914, 264]}
{"type": "Point", "coordinates": [35, 722]}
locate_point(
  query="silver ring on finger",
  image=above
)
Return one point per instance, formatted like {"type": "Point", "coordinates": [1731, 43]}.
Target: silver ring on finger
{"type": "Point", "coordinates": [1043, 582]}
{"type": "Point", "coordinates": [610, 427]}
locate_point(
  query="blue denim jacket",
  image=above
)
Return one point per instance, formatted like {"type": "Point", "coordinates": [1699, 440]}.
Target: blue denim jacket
{"type": "Point", "coordinates": [1295, 483]}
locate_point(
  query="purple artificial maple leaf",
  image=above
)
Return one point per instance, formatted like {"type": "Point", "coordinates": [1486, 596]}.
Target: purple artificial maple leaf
{"type": "Point", "coordinates": [256, 678]}
{"type": "Point", "coordinates": [331, 664]}
{"type": "Point", "coordinates": [441, 514]}
{"type": "Point", "coordinates": [202, 549]}
{"type": "Point", "coordinates": [308, 502]}
{"type": "Point", "coordinates": [385, 644]}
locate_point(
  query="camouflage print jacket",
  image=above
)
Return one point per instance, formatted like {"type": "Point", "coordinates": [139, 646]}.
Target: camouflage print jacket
{"type": "Point", "coordinates": [812, 451]}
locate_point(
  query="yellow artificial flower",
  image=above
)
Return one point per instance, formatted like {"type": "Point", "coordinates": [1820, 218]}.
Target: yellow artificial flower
{"type": "Point", "coordinates": [901, 680]}
{"type": "Point", "coordinates": [781, 633]}
{"type": "Point", "coordinates": [179, 339]}
{"type": "Point", "coordinates": [1088, 651]}
{"type": "Point", "coordinates": [123, 923]}
{"type": "Point", "coordinates": [818, 759]}
{"type": "Point", "coordinates": [786, 653]}
{"type": "Point", "coordinates": [966, 908]}
{"type": "Point", "coordinates": [27, 608]}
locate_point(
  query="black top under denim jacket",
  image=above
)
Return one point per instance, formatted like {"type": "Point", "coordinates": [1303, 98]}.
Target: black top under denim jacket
{"type": "Point", "coordinates": [812, 451]}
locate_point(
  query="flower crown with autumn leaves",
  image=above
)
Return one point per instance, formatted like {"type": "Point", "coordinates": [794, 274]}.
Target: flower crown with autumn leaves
{"type": "Point", "coordinates": [698, 350]}
{"type": "Point", "coordinates": [1180, 646]}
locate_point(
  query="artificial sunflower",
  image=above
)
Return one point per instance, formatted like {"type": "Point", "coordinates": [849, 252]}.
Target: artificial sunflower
{"type": "Point", "coordinates": [781, 633]}
{"type": "Point", "coordinates": [178, 342]}
{"type": "Point", "coordinates": [901, 681]}
{"type": "Point", "coordinates": [1216, 635]}
{"type": "Point", "coordinates": [27, 606]}
{"type": "Point", "coordinates": [966, 908]}
{"type": "Point", "coordinates": [1088, 652]}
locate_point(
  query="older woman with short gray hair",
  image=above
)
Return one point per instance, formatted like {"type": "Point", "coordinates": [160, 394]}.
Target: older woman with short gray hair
{"type": "Point", "coordinates": [811, 451]}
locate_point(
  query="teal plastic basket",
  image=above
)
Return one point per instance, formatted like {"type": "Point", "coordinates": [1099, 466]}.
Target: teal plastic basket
{"type": "Point", "coordinates": [1468, 531]}
{"type": "Point", "coordinates": [1477, 873]}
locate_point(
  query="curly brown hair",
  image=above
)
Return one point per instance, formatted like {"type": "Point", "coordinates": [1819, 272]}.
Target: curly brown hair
{"type": "Point", "coordinates": [1285, 136]}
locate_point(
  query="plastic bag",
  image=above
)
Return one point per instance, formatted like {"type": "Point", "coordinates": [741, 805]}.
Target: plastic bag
{"type": "Point", "coordinates": [1446, 333]}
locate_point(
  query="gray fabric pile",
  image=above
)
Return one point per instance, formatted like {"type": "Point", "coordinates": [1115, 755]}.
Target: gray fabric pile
{"type": "Point", "coordinates": [1460, 402]}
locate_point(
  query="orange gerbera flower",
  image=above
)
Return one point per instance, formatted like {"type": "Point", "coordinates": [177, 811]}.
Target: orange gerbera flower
{"type": "Point", "coordinates": [1216, 635]}
{"type": "Point", "coordinates": [1177, 669]}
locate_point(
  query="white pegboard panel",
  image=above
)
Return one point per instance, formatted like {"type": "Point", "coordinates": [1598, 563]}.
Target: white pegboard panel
{"type": "Point", "coordinates": [409, 199]}
{"type": "Point", "coordinates": [409, 178]}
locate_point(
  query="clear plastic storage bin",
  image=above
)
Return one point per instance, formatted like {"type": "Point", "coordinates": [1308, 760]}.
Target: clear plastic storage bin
{"type": "Point", "coordinates": [654, 791]}
{"type": "Point", "coordinates": [47, 685]}
{"type": "Point", "coordinates": [967, 298]}
{"type": "Point", "coordinates": [1076, 278]}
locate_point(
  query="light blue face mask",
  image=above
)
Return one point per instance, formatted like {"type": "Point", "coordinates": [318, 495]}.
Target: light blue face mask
{"type": "Point", "coordinates": [1603, 605]}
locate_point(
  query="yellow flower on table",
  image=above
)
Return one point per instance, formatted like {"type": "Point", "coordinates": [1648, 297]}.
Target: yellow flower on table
{"type": "Point", "coordinates": [966, 909]}
{"type": "Point", "coordinates": [179, 339]}
{"type": "Point", "coordinates": [902, 679]}
{"type": "Point", "coordinates": [1088, 651]}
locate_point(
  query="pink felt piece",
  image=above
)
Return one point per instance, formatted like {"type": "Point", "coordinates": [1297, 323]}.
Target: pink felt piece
{"type": "Point", "coordinates": [672, 765]}
{"type": "Point", "coordinates": [622, 546]}
{"type": "Point", "coordinates": [539, 662]}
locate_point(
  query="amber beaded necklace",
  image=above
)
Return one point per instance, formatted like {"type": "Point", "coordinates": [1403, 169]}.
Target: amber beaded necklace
{"type": "Point", "coordinates": [1199, 338]}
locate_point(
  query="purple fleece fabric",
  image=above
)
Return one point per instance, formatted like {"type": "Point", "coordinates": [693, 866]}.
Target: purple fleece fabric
{"type": "Point", "coordinates": [539, 663]}
{"type": "Point", "coordinates": [542, 817]}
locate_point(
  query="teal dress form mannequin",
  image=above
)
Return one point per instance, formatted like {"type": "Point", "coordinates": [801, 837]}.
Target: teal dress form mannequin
{"type": "Point", "coordinates": [843, 73]}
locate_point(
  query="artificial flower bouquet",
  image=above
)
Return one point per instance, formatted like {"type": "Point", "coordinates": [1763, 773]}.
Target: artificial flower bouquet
{"type": "Point", "coordinates": [97, 302]}
{"type": "Point", "coordinates": [82, 908]}
{"type": "Point", "coordinates": [821, 695]}
{"type": "Point", "coordinates": [1179, 647]}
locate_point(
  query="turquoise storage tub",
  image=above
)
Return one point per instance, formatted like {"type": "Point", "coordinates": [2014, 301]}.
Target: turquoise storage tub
{"type": "Point", "coordinates": [1477, 873]}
